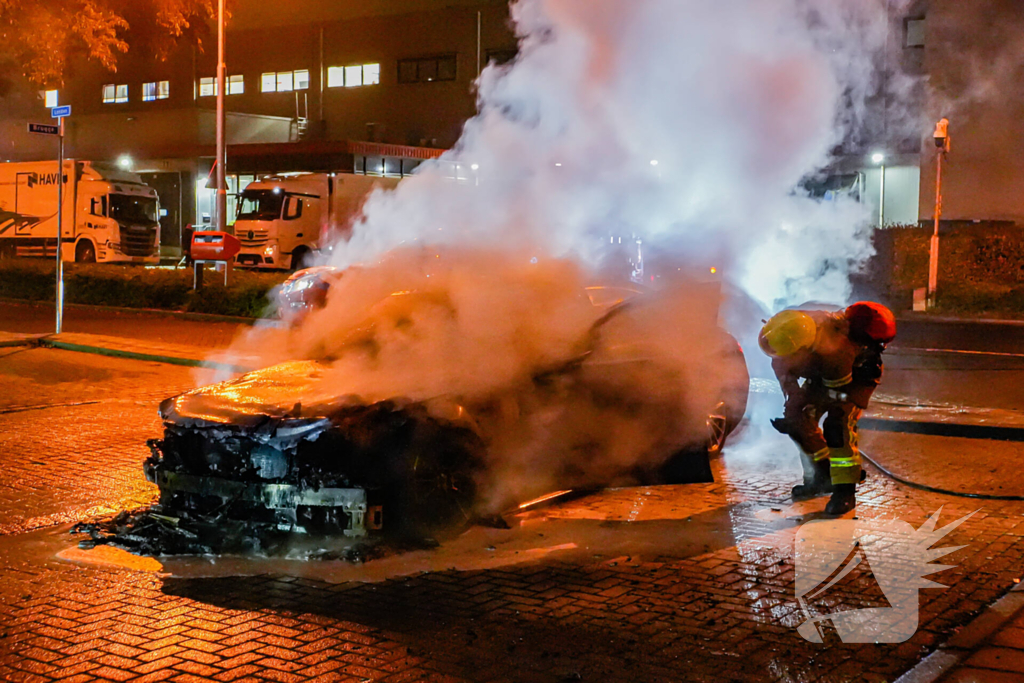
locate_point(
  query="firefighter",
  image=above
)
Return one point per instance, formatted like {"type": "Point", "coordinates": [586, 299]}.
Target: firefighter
{"type": "Point", "coordinates": [839, 357]}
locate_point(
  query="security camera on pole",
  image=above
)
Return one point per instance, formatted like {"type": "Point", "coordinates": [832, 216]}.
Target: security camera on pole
{"type": "Point", "coordinates": [942, 143]}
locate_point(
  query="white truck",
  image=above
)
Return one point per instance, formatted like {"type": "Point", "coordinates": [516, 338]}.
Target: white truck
{"type": "Point", "coordinates": [109, 215]}
{"type": "Point", "coordinates": [283, 219]}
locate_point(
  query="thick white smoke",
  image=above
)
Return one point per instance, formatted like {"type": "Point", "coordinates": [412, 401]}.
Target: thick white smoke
{"type": "Point", "coordinates": [688, 123]}
{"type": "Point", "coordinates": [685, 122]}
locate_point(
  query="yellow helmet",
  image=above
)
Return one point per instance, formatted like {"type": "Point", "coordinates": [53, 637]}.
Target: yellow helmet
{"type": "Point", "coordinates": [787, 333]}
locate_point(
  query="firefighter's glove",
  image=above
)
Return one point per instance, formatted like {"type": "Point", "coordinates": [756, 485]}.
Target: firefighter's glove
{"type": "Point", "coordinates": [782, 425]}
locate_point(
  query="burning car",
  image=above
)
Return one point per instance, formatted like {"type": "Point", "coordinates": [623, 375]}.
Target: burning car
{"type": "Point", "coordinates": [282, 447]}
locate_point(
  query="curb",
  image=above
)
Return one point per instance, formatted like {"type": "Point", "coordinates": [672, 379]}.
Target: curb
{"type": "Point", "coordinates": [964, 431]}
{"type": "Point", "coordinates": [134, 355]}
{"type": "Point", "coordinates": [956, 649]}
{"type": "Point", "coordinates": [907, 316]}
{"type": "Point", "coordinates": [184, 315]}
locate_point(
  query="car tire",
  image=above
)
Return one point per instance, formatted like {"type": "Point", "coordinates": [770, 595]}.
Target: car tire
{"type": "Point", "coordinates": [433, 488]}
{"type": "Point", "coordinates": [85, 252]}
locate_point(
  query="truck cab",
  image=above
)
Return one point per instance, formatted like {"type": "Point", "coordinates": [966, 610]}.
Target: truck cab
{"type": "Point", "coordinates": [283, 219]}
{"type": "Point", "coordinates": [118, 219]}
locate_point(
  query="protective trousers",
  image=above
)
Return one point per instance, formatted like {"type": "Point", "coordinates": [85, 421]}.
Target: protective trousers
{"type": "Point", "coordinates": [836, 440]}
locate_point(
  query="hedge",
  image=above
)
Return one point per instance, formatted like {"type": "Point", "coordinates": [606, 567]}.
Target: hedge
{"type": "Point", "coordinates": [139, 287]}
{"type": "Point", "coordinates": [981, 268]}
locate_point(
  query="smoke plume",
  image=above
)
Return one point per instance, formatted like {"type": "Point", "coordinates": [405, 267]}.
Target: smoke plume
{"type": "Point", "coordinates": [686, 124]}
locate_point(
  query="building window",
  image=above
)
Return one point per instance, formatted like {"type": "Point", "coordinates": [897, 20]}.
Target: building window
{"type": "Point", "coordinates": [353, 76]}
{"type": "Point", "coordinates": [913, 32]}
{"type": "Point", "coordinates": [427, 69]}
{"type": "Point", "coordinates": [50, 97]}
{"type": "Point", "coordinates": [501, 56]}
{"type": "Point", "coordinates": [208, 86]}
{"type": "Point", "coordinates": [284, 81]}
{"type": "Point", "coordinates": [157, 90]}
{"type": "Point", "coordinates": [115, 94]}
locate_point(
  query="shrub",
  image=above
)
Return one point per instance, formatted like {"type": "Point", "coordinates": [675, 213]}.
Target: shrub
{"type": "Point", "coordinates": [138, 287]}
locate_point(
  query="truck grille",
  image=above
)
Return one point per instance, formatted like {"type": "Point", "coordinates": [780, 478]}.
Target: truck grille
{"type": "Point", "coordinates": [138, 241]}
{"type": "Point", "coordinates": [252, 238]}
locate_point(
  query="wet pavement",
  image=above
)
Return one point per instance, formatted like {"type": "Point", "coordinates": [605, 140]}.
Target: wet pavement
{"type": "Point", "coordinates": [692, 582]}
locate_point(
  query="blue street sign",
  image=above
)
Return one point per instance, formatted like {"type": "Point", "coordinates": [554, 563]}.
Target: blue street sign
{"type": "Point", "coordinates": [61, 112]}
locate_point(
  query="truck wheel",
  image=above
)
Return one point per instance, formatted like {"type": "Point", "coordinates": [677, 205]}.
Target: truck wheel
{"type": "Point", "coordinates": [85, 252]}
{"type": "Point", "coordinates": [299, 258]}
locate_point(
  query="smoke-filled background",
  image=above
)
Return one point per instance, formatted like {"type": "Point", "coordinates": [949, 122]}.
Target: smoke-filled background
{"type": "Point", "coordinates": [689, 124]}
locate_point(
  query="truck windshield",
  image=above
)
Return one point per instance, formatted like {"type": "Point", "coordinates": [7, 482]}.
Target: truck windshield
{"type": "Point", "coordinates": [260, 205]}
{"type": "Point", "coordinates": [132, 208]}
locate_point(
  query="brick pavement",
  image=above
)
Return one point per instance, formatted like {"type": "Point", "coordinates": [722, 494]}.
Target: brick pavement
{"type": "Point", "coordinates": [614, 609]}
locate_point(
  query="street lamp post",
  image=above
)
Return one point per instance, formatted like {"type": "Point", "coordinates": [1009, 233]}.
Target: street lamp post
{"type": "Point", "coordinates": [222, 192]}
{"type": "Point", "coordinates": [941, 137]}
{"type": "Point", "coordinates": [879, 158]}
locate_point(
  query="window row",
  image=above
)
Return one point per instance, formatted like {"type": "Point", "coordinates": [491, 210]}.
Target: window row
{"type": "Point", "coordinates": [118, 93]}
{"type": "Point", "coordinates": [409, 71]}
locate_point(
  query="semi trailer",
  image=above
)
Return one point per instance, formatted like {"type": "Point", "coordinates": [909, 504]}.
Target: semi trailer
{"type": "Point", "coordinates": [108, 215]}
{"type": "Point", "coordinates": [283, 219]}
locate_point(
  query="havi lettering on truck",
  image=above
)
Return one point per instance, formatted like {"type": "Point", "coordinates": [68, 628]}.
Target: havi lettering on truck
{"type": "Point", "coordinates": [109, 215]}
{"type": "Point", "coordinates": [282, 219]}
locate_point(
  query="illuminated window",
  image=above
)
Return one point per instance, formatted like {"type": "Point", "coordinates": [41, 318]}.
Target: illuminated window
{"type": "Point", "coordinates": [427, 69]}
{"type": "Point", "coordinates": [353, 76]}
{"type": "Point", "coordinates": [371, 74]}
{"type": "Point", "coordinates": [208, 86]}
{"type": "Point", "coordinates": [51, 98]}
{"type": "Point", "coordinates": [157, 90]}
{"type": "Point", "coordinates": [284, 81]}
{"type": "Point", "coordinates": [115, 94]}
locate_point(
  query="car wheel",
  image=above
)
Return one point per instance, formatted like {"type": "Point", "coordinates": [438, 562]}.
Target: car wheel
{"type": "Point", "coordinates": [85, 252]}
{"type": "Point", "coordinates": [435, 487]}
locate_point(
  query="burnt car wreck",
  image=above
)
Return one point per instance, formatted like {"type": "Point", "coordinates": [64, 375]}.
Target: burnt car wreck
{"type": "Point", "coordinates": [277, 452]}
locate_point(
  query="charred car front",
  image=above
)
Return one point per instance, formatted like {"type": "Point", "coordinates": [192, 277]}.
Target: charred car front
{"type": "Point", "coordinates": [279, 447]}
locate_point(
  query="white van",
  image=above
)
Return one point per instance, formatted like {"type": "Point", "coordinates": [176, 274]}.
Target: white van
{"type": "Point", "coordinates": [283, 219]}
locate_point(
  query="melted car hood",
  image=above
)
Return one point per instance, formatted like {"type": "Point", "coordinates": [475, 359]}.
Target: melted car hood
{"type": "Point", "coordinates": [291, 390]}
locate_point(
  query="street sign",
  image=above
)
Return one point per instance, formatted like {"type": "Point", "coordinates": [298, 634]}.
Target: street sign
{"type": "Point", "coordinates": [61, 112]}
{"type": "Point", "coordinates": [43, 128]}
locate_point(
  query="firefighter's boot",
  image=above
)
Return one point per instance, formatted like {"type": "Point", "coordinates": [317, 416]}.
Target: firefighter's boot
{"type": "Point", "coordinates": [843, 499]}
{"type": "Point", "coordinates": [817, 479]}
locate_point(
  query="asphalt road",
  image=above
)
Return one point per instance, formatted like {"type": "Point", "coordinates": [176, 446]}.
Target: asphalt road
{"type": "Point", "coordinates": [993, 337]}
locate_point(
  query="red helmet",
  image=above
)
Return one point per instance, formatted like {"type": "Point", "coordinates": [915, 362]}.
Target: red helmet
{"type": "Point", "coordinates": [871, 322]}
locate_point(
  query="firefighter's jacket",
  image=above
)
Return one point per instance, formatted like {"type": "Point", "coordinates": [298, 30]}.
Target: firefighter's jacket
{"type": "Point", "coordinates": [828, 364]}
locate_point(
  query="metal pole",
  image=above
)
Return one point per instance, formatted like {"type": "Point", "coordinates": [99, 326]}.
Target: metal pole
{"type": "Point", "coordinates": [881, 199]}
{"type": "Point", "coordinates": [933, 256]}
{"type": "Point", "coordinates": [60, 225]}
{"type": "Point", "coordinates": [222, 192]}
